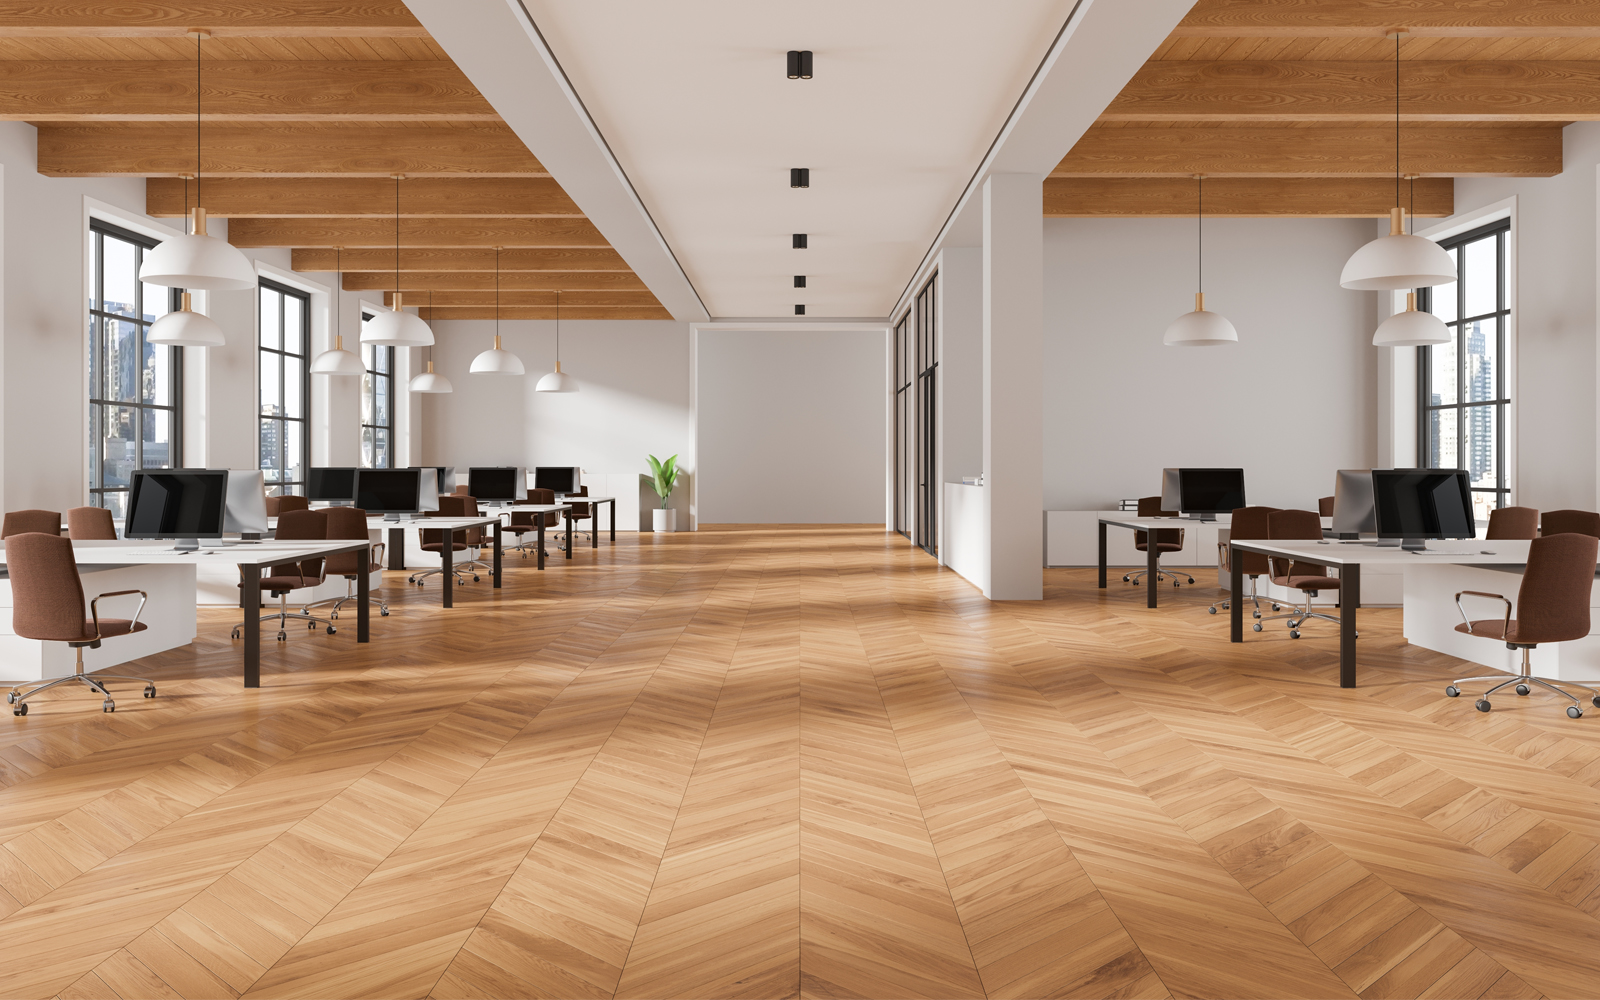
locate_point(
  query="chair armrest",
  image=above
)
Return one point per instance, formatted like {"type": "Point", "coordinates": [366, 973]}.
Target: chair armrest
{"type": "Point", "coordinates": [94, 609]}
{"type": "Point", "coordinates": [375, 554]}
{"type": "Point", "coordinates": [1505, 628]}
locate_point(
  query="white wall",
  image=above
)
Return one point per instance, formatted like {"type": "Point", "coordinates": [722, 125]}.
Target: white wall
{"type": "Point", "coordinates": [790, 427]}
{"type": "Point", "coordinates": [1293, 401]}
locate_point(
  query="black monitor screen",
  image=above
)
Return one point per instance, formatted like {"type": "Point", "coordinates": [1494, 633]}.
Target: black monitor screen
{"type": "Point", "coordinates": [388, 491]}
{"type": "Point", "coordinates": [1210, 491]}
{"type": "Point", "coordinates": [560, 478]}
{"type": "Point", "coordinates": [176, 503]}
{"type": "Point", "coordinates": [1423, 503]}
{"type": "Point", "coordinates": [493, 484]}
{"type": "Point", "coordinates": [331, 484]}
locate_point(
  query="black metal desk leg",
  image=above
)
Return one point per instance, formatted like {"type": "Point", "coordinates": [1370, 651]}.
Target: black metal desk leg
{"type": "Point", "coordinates": [613, 506]}
{"type": "Point", "coordinates": [541, 540]}
{"type": "Point", "coordinates": [1102, 555]}
{"type": "Point", "coordinates": [594, 526]}
{"type": "Point", "coordinates": [447, 555]}
{"type": "Point", "coordinates": [569, 535]}
{"type": "Point", "coordinates": [363, 592]}
{"type": "Point", "coordinates": [397, 548]}
{"type": "Point", "coordinates": [1235, 595]}
{"type": "Point", "coordinates": [1152, 561]}
{"type": "Point", "coordinates": [1349, 601]}
{"type": "Point", "coordinates": [497, 553]}
{"type": "Point", "coordinates": [250, 590]}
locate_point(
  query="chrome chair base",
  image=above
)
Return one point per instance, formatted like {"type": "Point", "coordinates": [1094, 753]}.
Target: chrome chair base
{"type": "Point", "coordinates": [1524, 682]}
{"type": "Point", "coordinates": [1226, 603]}
{"type": "Point", "coordinates": [282, 617]}
{"type": "Point", "coordinates": [348, 598]}
{"type": "Point", "coordinates": [17, 698]}
{"type": "Point", "coordinates": [1161, 574]}
{"type": "Point", "coordinates": [1298, 617]}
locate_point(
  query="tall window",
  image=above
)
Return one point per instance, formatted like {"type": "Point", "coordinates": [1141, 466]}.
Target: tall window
{"type": "Point", "coordinates": [377, 405]}
{"type": "Point", "coordinates": [285, 387]}
{"type": "Point", "coordinates": [1462, 394]}
{"type": "Point", "coordinates": [136, 388]}
{"type": "Point", "coordinates": [915, 365]}
{"type": "Point", "coordinates": [927, 366]}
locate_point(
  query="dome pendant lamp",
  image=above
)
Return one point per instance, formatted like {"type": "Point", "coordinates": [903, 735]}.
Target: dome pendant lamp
{"type": "Point", "coordinates": [1411, 328]}
{"type": "Point", "coordinates": [1200, 328]}
{"type": "Point", "coordinates": [558, 380]}
{"type": "Point", "coordinates": [496, 360]}
{"type": "Point", "coordinates": [338, 361]}
{"type": "Point", "coordinates": [430, 380]}
{"type": "Point", "coordinates": [196, 260]}
{"type": "Point", "coordinates": [397, 328]}
{"type": "Point", "coordinates": [183, 327]}
{"type": "Point", "coordinates": [1397, 261]}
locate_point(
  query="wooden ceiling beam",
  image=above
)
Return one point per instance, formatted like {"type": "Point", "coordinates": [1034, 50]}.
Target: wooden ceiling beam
{"type": "Point", "coordinates": [239, 18]}
{"type": "Point", "coordinates": [1308, 197]}
{"type": "Point", "coordinates": [285, 149]}
{"type": "Point", "coordinates": [547, 312]}
{"type": "Point", "coordinates": [423, 281]}
{"type": "Point", "coordinates": [434, 299]}
{"type": "Point", "coordinates": [246, 90]}
{"type": "Point", "coordinates": [351, 197]}
{"type": "Point", "coordinates": [1331, 91]}
{"type": "Point", "coordinates": [306, 259]}
{"type": "Point", "coordinates": [377, 233]}
{"type": "Point", "coordinates": [1367, 18]}
{"type": "Point", "coordinates": [1355, 150]}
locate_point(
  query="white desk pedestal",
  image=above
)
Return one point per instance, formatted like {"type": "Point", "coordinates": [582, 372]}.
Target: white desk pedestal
{"type": "Point", "coordinates": [170, 614]}
{"type": "Point", "coordinates": [1431, 618]}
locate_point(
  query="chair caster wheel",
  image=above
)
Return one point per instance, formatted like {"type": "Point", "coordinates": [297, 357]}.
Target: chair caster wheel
{"type": "Point", "coordinates": [11, 697]}
{"type": "Point", "coordinates": [21, 709]}
{"type": "Point", "coordinates": [1596, 700]}
{"type": "Point", "coordinates": [1127, 579]}
{"type": "Point", "coordinates": [474, 578]}
{"type": "Point", "coordinates": [149, 690]}
{"type": "Point", "coordinates": [283, 637]}
{"type": "Point", "coordinates": [236, 633]}
{"type": "Point", "coordinates": [1451, 691]}
{"type": "Point", "coordinates": [1522, 689]}
{"type": "Point", "coordinates": [108, 706]}
{"type": "Point", "coordinates": [1255, 614]}
{"type": "Point", "coordinates": [1276, 607]}
{"type": "Point", "coordinates": [333, 614]}
{"type": "Point", "coordinates": [384, 612]}
{"type": "Point", "coordinates": [1213, 610]}
{"type": "Point", "coordinates": [332, 630]}
{"type": "Point", "coordinates": [1294, 633]}
{"type": "Point", "coordinates": [1574, 712]}
{"type": "Point", "coordinates": [311, 626]}
{"type": "Point", "coordinates": [1483, 705]}
{"type": "Point", "coordinates": [1256, 626]}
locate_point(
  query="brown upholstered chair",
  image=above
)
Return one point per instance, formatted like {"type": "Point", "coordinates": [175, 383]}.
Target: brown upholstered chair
{"type": "Point", "coordinates": [1167, 540]}
{"type": "Point", "coordinates": [1552, 606]}
{"type": "Point", "coordinates": [284, 504]}
{"type": "Point", "coordinates": [1325, 507]}
{"type": "Point", "coordinates": [300, 526]}
{"type": "Point", "coordinates": [349, 523]}
{"type": "Point", "coordinates": [45, 522]}
{"type": "Point", "coordinates": [1295, 574]}
{"type": "Point", "coordinates": [91, 524]}
{"type": "Point", "coordinates": [1558, 522]}
{"type": "Point", "coordinates": [579, 512]}
{"type": "Point", "coordinates": [47, 604]}
{"type": "Point", "coordinates": [523, 521]}
{"type": "Point", "coordinates": [1513, 522]}
{"type": "Point", "coordinates": [1248, 523]}
{"type": "Point", "coordinates": [462, 490]}
{"type": "Point", "coordinates": [433, 539]}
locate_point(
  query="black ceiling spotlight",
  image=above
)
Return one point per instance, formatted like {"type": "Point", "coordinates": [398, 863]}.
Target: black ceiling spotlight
{"type": "Point", "coordinates": [799, 64]}
{"type": "Point", "coordinates": [799, 281]}
{"type": "Point", "coordinates": [799, 177]}
{"type": "Point", "coordinates": [799, 310]}
{"type": "Point", "coordinates": [799, 241]}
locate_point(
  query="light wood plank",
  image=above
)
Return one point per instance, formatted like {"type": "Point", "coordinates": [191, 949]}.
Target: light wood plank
{"type": "Point", "coordinates": [1303, 197]}
{"type": "Point", "coordinates": [348, 197]}
{"type": "Point", "coordinates": [278, 18]}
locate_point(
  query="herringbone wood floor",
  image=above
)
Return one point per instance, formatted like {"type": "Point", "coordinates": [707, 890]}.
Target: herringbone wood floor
{"type": "Point", "coordinates": [798, 761]}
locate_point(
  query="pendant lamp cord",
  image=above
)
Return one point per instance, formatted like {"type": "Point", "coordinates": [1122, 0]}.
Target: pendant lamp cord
{"type": "Point", "coordinates": [397, 234]}
{"type": "Point", "coordinates": [558, 328]}
{"type": "Point", "coordinates": [1200, 233]}
{"type": "Point", "coordinates": [1397, 117]}
{"type": "Point", "coordinates": [338, 292]}
{"type": "Point", "coordinates": [497, 294]}
{"type": "Point", "coordinates": [199, 36]}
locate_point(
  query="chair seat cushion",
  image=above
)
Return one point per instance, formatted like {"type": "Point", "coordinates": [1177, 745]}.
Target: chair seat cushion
{"type": "Point", "coordinates": [278, 584]}
{"type": "Point", "coordinates": [1160, 547]}
{"type": "Point", "coordinates": [439, 546]}
{"type": "Point", "coordinates": [1307, 582]}
{"type": "Point", "coordinates": [1491, 628]}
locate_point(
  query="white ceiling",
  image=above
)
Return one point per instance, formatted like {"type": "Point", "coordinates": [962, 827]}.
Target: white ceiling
{"type": "Point", "coordinates": [693, 100]}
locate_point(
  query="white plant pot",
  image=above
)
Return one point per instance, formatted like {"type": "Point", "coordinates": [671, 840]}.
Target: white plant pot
{"type": "Point", "coordinates": [663, 519]}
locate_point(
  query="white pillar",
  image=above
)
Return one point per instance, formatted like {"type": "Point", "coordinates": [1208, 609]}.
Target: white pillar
{"type": "Point", "coordinates": [1013, 385]}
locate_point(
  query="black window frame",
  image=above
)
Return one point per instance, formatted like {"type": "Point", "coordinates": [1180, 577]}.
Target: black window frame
{"type": "Point", "coordinates": [285, 486]}
{"type": "Point", "coordinates": [99, 317]}
{"type": "Point", "coordinates": [1427, 411]}
{"type": "Point", "coordinates": [925, 310]}
{"type": "Point", "coordinates": [369, 382]}
{"type": "Point", "coordinates": [902, 380]}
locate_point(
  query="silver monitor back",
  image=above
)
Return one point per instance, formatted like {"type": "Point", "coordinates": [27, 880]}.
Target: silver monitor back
{"type": "Point", "coordinates": [1353, 509]}
{"type": "Point", "coordinates": [245, 510]}
{"type": "Point", "coordinates": [428, 489]}
{"type": "Point", "coordinates": [1171, 490]}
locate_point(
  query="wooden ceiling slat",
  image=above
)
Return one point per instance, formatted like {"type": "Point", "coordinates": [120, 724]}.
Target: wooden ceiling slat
{"type": "Point", "coordinates": [286, 149]}
{"type": "Point", "coordinates": [379, 233]}
{"type": "Point", "coordinates": [474, 281]}
{"type": "Point", "coordinates": [546, 312]}
{"type": "Point", "coordinates": [1365, 17]}
{"type": "Point", "coordinates": [439, 259]}
{"type": "Point", "coordinates": [1305, 197]}
{"type": "Point", "coordinates": [325, 197]}
{"type": "Point", "coordinates": [637, 299]}
{"type": "Point", "coordinates": [90, 18]}
{"type": "Point", "coordinates": [239, 91]}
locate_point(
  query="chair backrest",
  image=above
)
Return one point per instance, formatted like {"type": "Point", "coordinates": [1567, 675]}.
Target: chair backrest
{"type": "Point", "coordinates": [1251, 523]}
{"type": "Point", "coordinates": [450, 505]}
{"type": "Point", "coordinates": [46, 592]}
{"type": "Point", "coordinates": [1558, 522]}
{"type": "Point", "coordinates": [284, 504]}
{"type": "Point", "coordinates": [1151, 507]}
{"type": "Point", "coordinates": [1553, 602]}
{"type": "Point", "coordinates": [1325, 507]}
{"type": "Point", "coordinates": [302, 526]}
{"type": "Point", "coordinates": [537, 495]}
{"type": "Point", "coordinates": [91, 524]}
{"type": "Point", "coordinates": [45, 522]}
{"type": "Point", "coordinates": [469, 508]}
{"type": "Point", "coordinates": [461, 490]}
{"type": "Point", "coordinates": [1289, 525]}
{"type": "Point", "coordinates": [1513, 522]}
{"type": "Point", "coordinates": [346, 523]}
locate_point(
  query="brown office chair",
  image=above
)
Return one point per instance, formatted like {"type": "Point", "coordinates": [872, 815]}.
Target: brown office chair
{"type": "Point", "coordinates": [1552, 606]}
{"type": "Point", "coordinates": [579, 512]}
{"type": "Point", "coordinates": [91, 524]}
{"type": "Point", "coordinates": [1325, 507]}
{"type": "Point", "coordinates": [1167, 540]}
{"type": "Point", "coordinates": [1248, 523]}
{"type": "Point", "coordinates": [45, 522]}
{"type": "Point", "coordinates": [1513, 522]}
{"type": "Point", "coordinates": [300, 526]}
{"type": "Point", "coordinates": [1307, 577]}
{"type": "Point", "coordinates": [461, 491]}
{"type": "Point", "coordinates": [349, 523]}
{"type": "Point", "coordinates": [433, 539]}
{"type": "Point", "coordinates": [47, 604]}
{"type": "Point", "coordinates": [284, 504]}
{"type": "Point", "coordinates": [1558, 522]}
{"type": "Point", "coordinates": [523, 522]}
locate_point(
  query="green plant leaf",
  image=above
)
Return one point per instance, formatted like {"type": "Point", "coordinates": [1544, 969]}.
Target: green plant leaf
{"type": "Point", "coordinates": [664, 476]}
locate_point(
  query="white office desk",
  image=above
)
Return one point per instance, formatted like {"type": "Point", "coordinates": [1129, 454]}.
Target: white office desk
{"type": "Point", "coordinates": [551, 508]}
{"type": "Point", "coordinates": [1122, 519]}
{"type": "Point", "coordinates": [397, 544]}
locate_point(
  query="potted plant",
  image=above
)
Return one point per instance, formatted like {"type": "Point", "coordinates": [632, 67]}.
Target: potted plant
{"type": "Point", "coordinates": [663, 477]}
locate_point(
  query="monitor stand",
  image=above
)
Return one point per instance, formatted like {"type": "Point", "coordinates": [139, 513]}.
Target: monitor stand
{"type": "Point", "coordinates": [186, 545]}
{"type": "Point", "coordinates": [1415, 544]}
{"type": "Point", "coordinates": [1201, 517]}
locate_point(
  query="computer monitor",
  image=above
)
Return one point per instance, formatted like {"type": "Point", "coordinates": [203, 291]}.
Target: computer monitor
{"type": "Point", "coordinates": [331, 484]}
{"type": "Point", "coordinates": [1171, 496]}
{"type": "Point", "coordinates": [390, 492]}
{"type": "Point", "coordinates": [497, 484]}
{"type": "Point", "coordinates": [185, 504]}
{"type": "Point", "coordinates": [428, 488]}
{"type": "Point", "coordinates": [1353, 512]}
{"type": "Point", "coordinates": [1414, 505]}
{"type": "Point", "coordinates": [1205, 493]}
{"type": "Point", "coordinates": [245, 512]}
{"type": "Point", "coordinates": [562, 479]}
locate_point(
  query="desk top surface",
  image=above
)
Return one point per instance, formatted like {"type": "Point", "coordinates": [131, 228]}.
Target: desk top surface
{"type": "Point", "coordinates": [1123, 519]}
{"type": "Point", "coordinates": [126, 552]}
{"type": "Point", "coordinates": [1442, 553]}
